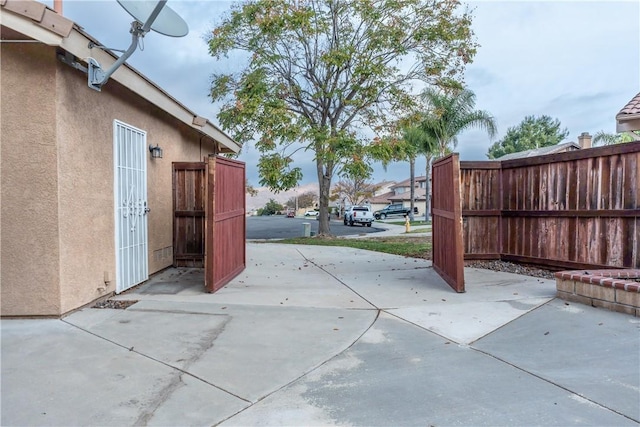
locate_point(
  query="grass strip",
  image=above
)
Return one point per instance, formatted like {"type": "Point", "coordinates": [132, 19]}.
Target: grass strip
{"type": "Point", "coordinates": [412, 247]}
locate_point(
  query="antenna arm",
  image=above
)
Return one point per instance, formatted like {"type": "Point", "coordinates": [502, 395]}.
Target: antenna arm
{"type": "Point", "coordinates": [132, 48]}
{"type": "Point", "coordinates": [96, 76]}
{"type": "Point", "coordinates": [156, 11]}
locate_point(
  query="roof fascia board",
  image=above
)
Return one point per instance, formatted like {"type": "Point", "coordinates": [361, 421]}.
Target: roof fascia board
{"type": "Point", "coordinates": [218, 135]}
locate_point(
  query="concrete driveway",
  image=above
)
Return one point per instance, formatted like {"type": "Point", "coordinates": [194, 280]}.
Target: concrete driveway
{"type": "Point", "coordinates": [326, 336]}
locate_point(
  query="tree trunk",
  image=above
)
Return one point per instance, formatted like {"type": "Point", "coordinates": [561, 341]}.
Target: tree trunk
{"type": "Point", "coordinates": [324, 187]}
{"type": "Point", "coordinates": [427, 188]}
{"type": "Point", "coordinates": [412, 193]}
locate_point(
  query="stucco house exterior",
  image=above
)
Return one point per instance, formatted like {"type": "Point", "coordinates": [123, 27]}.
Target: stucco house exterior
{"type": "Point", "coordinates": [400, 192]}
{"type": "Point", "coordinates": [85, 210]}
{"type": "Point", "coordinates": [628, 119]}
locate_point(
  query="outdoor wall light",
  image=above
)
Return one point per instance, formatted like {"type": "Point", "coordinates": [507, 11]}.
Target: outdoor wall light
{"type": "Point", "coordinates": [156, 152]}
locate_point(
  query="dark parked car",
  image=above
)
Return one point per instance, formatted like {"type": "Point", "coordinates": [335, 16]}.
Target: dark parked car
{"type": "Point", "coordinates": [392, 210]}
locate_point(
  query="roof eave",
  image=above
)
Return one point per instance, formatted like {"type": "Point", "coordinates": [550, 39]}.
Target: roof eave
{"type": "Point", "coordinates": [77, 43]}
{"type": "Point", "coordinates": [627, 122]}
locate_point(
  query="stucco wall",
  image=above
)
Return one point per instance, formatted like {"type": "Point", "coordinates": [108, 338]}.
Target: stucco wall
{"type": "Point", "coordinates": [58, 236]}
{"type": "Point", "coordinates": [85, 136]}
{"type": "Point", "coordinates": [29, 267]}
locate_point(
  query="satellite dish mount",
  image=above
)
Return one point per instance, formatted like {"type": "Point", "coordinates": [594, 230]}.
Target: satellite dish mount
{"type": "Point", "coordinates": [148, 15]}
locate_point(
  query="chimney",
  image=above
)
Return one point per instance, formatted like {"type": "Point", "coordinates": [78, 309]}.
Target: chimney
{"type": "Point", "coordinates": [57, 6]}
{"type": "Point", "coordinates": [584, 140]}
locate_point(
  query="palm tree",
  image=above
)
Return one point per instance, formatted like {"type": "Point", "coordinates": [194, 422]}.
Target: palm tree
{"type": "Point", "coordinates": [611, 138]}
{"type": "Point", "coordinates": [451, 113]}
{"type": "Point", "coordinates": [422, 143]}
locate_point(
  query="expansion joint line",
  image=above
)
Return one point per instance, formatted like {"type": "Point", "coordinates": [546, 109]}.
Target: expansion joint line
{"type": "Point", "coordinates": [340, 281]}
{"type": "Point", "coordinates": [304, 374]}
{"type": "Point", "coordinates": [599, 405]}
{"type": "Point", "coordinates": [548, 381]}
{"type": "Point", "coordinates": [132, 349]}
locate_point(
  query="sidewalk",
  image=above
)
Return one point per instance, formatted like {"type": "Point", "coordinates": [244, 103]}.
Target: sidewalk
{"type": "Point", "coordinates": [326, 336]}
{"type": "Point", "coordinates": [394, 230]}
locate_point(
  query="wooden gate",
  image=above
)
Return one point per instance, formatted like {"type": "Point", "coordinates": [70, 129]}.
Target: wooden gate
{"type": "Point", "coordinates": [189, 185]}
{"type": "Point", "coordinates": [225, 229]}
{"type": "Point", "coordinates": [448, 250]}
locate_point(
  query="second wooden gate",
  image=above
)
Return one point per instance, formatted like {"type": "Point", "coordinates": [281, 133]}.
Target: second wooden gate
{"type": "Point", "coordinates": [448, 250]}
{"type": "Point", "coordinates": [189, 193]}
{"type": "Point", "coordinates": [225, 229]}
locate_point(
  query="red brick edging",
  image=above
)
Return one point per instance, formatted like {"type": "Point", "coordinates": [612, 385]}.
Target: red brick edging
{"type": "Point", "coordinates": [610, 289]}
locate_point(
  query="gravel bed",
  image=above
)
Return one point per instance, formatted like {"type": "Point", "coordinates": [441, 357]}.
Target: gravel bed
{"type": "Point", "coordinates": [115, 304]}
{"type": "Point", "coordinates": [509, 267]}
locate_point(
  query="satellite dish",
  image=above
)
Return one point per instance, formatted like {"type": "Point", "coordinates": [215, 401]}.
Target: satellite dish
{"type": "Point", "coordinates": [167, 21]}
{"type": "Point", "coordinates": [149, 15]}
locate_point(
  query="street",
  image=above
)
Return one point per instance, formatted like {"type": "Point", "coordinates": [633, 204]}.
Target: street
{"type": "Point", "coordinates": [281, 227]}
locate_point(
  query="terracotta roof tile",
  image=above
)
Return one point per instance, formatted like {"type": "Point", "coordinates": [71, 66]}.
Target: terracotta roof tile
{"type": "Point", "coordinates": [41, 15]}
{"type": "Point", "coordinates": [632, 108]}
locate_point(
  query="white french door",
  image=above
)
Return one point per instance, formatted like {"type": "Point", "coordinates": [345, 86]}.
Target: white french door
{"type": "Point", "coordinates": [130, 189]}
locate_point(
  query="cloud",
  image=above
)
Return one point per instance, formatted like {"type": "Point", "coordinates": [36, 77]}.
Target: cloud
{"type": "Point", "coordinates": [578, 61]}
{"type": "Point", "coordinates": [478, 77]}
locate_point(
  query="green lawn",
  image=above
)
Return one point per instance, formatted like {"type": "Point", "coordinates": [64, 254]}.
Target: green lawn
{"type": "Point", "coordinates": [413, 247]}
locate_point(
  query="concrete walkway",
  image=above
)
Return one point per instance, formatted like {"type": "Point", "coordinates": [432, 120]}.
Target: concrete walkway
{"type": "Point", "coordinates": [326, 336]}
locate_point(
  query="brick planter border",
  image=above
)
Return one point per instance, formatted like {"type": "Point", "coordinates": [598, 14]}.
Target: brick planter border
{"type": "Point", "coordinates": [611, 289]}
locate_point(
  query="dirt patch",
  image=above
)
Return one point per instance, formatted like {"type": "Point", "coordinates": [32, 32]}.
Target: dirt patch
{"type": "Point", "coordinates": [114, 304]}
{"type": "Point", "coordinates": [510, 267]}
{"type": "Point", "coordinates": [494, 265]}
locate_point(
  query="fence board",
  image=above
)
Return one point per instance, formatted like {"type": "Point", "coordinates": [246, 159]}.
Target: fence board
{"type": "Point", "coordinates": [481, 202]}
{"type": "Point", "coordinates": [577, 210]}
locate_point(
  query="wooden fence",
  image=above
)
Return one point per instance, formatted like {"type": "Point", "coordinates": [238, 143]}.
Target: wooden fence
{"type": "Point", "coordinates": [578, 209]}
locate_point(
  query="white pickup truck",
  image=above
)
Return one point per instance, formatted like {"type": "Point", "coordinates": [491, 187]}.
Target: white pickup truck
{"type": "Point", "coordinates": [358, 215]}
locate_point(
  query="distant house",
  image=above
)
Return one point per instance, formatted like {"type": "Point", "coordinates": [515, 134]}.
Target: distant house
{"type": "Point", "coordinates": [86, 210]}
{"type": "Point", "coordinates": [401, 193]}
{"type": "Point", "coordinates": [584, 141]}
{"type": "Point", "coordinates": [628, 119]}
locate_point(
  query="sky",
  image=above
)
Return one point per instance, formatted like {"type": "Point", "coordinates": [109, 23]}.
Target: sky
{"type": "Point", "coordinates": [577, 61]}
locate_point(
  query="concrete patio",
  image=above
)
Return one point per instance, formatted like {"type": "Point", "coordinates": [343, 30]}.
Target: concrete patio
{"type": "Point", "coordinates": [326, 336]}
